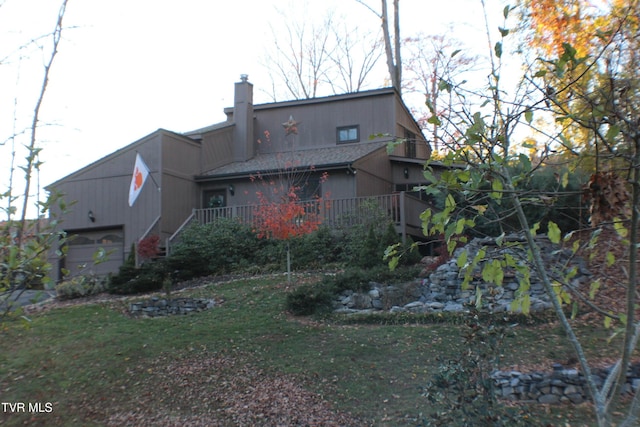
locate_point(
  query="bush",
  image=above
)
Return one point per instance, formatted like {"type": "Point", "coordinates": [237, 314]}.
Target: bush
{"type": "Point", "coordinates": [314, 250]}
{"type": "Point", "coordinates": [228, 246]}
{"type": "Point", "coordinates": [148, 277]}
{"type": "Point", "coordinates": [309, 299]}
{"type": "Point", "coordinates": [217, 248]}
{"type": "Point", "coordinates": [462, 391]}
{"type": "Point", "coordinates": [133, 280]}
{"type": "Point", "coordinates": [318, 298]}
{"type": "Point", "coordinates": [80, 286]}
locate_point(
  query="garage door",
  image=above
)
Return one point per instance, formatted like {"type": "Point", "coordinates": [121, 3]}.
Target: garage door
{"type": "Point", "coordinates": [83, 247]}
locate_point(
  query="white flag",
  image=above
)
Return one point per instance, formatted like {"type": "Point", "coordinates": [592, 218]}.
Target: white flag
{"type": "Point", "coordinates": [140, 173]}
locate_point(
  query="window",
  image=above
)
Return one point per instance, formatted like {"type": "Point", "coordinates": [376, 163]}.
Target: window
{"type": "Point", "coordinates": [309, 189]}
{"type": "Point", "coordinates": [348, 134]}
{"type": "Point", "coordinates": [409, 144]}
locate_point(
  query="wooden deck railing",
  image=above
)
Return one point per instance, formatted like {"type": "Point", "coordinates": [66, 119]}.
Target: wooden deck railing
{"type": "Point", "coordinates": [403, 209]}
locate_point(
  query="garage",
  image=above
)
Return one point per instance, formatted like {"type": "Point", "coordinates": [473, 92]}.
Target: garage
{"type": "Point", "coordinates": [83, 247]}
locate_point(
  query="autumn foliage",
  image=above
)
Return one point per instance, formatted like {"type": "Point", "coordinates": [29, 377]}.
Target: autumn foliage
{"type": "Point", "coordinates": [607, 196]}
{"type": "Point", "coordinates": [285, 216]}
{"type": "Point", "coordinates": [149, 247]}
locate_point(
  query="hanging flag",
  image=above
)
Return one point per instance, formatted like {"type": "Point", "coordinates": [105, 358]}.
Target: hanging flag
{"type": "Point", "coordinates": [140, 173]}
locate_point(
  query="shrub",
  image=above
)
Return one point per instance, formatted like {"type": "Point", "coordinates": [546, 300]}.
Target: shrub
{"type": "Point", "coordinates": [80, 286]}
{"type": "Point", "coordinates": [133, 280]}
{"type": "Point", "coordinates": [318, 298]}
{"type": "Point", "coordinates": [149, 247]}
{"type": "Point", "coordinates": [217, 248]}
{"type": "Point", "coordinates": [309, 299]}
{"type": "Point", "coordinates": [149, 277]}
{"type": "Point", "coordinates": [462, 390]}
{"type": "Point", "coordinates": [314, 250]}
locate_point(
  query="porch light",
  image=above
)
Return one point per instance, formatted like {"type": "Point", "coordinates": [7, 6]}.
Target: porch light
{"type": "Point", "coordinates": [232, 189]}
{"type": "Point", "coordinates": [91, 216]}
{"type": "Point", "coordinates": [406, 173]}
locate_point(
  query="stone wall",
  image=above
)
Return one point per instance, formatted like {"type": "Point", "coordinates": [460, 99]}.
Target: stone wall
{"type": "Point", "coordinates": [156, 306]}
{"type": "Point", "coordinates": [559, 386]}
{"type": "Point", "coordinates": [442, 290]}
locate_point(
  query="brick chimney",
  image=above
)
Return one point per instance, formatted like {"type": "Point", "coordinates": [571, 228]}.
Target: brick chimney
{"type": "Point", "coordinates": [243, 144]}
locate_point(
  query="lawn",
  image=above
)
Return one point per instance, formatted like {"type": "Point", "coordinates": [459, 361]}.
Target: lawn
{"type": "Point", "coordinates": [244, 362]}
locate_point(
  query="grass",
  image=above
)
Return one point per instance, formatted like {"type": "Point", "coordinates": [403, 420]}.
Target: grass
{"type": "Point", "coordinates": [91, 361]}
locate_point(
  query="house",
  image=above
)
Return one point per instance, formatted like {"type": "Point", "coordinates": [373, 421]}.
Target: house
{"type": "Point", "coordinates": [215, 168]}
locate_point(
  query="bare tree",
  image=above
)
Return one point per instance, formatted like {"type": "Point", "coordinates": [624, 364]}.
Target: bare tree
{"type": "Point", "coordinates": [391, 45]}
{"type": "Point", "coordinates": [310, 59]}
{"type": "Point", "coordinates": [300, 58]}
{"type": "Point", "coordinates": [21, 256]}
{"type": "Point", "coordinates": [33, 161]}
{"type": "Point", "coordinates": [354, 69]}
{"type": "Point", "coordinates": [432, 63]}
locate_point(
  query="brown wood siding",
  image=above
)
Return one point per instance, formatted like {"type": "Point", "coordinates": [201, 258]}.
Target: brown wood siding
{"type": "Point", "coordinates": [339, 185]}
{"type": "Point", "coordinates": [103, 189]}
{"type": "Point", "coordinates": [374, 174]}
{"type": "Point", "coordinates": [318, 122]}
{"type": "Point", "coordinates": [180, 163]}
{"type": "Point", "coordinates": [217, 149]}
{"type": "Point", "coordinates": [406, 122]}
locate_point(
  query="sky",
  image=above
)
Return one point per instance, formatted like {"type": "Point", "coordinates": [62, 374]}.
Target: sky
{"type": "Point", "coordinates": [126, 68]}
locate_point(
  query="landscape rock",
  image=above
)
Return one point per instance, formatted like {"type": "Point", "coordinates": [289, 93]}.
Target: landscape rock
{"type": "Point", "coordinates": [442, 290]}
{"type": "Point", "coordinates": [157, 307]}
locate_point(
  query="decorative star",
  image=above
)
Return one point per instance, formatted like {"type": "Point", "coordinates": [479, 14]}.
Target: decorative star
{"type": "Point", "coordinates": [291, 126]}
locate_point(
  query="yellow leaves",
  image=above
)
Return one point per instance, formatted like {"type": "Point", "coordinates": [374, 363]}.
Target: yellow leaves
{"type": "Point", "coordinates": [555, 22]}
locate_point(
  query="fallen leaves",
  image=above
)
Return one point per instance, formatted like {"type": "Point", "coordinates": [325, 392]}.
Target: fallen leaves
{"type": "Point", "coordinates": [222, 390]}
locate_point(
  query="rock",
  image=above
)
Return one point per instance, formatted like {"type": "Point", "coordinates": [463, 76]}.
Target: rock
{"type": "Point", "coordinates": [155, 307]}
{"type": "Point", "coordinates": [549, 399]}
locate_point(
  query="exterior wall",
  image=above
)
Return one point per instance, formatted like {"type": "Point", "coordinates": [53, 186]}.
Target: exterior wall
{"type": "Point", "coordinates": [103, 189]}
{"type": "Point", "coordinates": [406, 122]}
{"type": "Point", "coordinates": [217, 149]}
{"type": "Point", "coordinates": [339, 185]}
{"type": "Point", "coordinates": [180, 194]}
{"type": "Point", "coordinates": [319, 119]}
{"type": "Point", "coordinates": [413, 176]}
{"type": "Point", "coordinates": [374, 174]}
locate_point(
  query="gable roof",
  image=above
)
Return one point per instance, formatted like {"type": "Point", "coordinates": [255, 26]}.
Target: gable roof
{"type": "Point", "coordinates": [317, 158]}
{"type": "Point", "coordinates": [118, 152]}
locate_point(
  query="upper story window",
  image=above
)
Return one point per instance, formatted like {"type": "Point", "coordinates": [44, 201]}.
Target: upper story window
{"type": "Point", "coordinates": [348, 134]}
{"type": "Point", "coordinates": [410, 144]}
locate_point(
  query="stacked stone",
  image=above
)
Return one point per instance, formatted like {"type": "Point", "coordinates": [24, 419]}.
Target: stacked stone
{"type": "Point", "coordinates": [442, 290]}
{"type": "Point", "coordinates": [156, 307]}
{"type": "Point", "coordinates": [560, 386]}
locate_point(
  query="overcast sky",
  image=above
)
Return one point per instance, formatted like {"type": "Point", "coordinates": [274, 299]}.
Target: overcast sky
{"type": "Point", "coordinates": [128, 67]}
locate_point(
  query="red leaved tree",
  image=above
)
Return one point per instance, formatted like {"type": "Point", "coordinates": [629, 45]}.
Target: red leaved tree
{"type": "Point", "coordinates": [287, 205]}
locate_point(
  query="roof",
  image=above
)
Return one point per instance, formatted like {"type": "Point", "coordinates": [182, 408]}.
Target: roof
{"type": "Point", "coordinates": [210, 128]}
{"type": "Point", "coordinates": [341, 155]}
{"type": "Point", "coordinates": [118, 152]}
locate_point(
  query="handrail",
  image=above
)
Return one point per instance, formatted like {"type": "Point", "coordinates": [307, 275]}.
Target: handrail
{"type": "Point", "coordinates": [171, 238]}
{"type": "Point", "coordinates": [153, 224]}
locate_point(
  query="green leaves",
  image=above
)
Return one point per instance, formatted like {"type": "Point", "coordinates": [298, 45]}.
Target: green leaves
{"type": "Point", "coordinates": [497, 187]}
{"type": "Point", "coordinates": [492, 272]}
{"type": "Point", "coordinates": [528, 116]}
{"type": "Point", "coordinates": [498, 49]}
{"type": "Point", "coordinates": [553, 231]}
